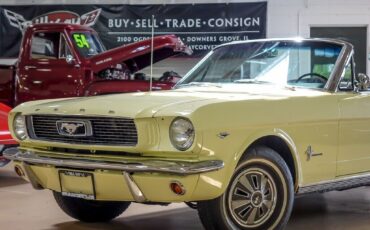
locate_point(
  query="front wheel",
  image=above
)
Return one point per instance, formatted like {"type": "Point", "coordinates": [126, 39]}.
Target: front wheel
{"type": "Point", "coordinates": [90, 210]}
{"type": "Point", "coordinates": [259, 196]}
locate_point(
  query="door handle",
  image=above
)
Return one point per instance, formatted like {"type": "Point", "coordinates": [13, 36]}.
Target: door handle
{"type": "Point", "coordinates": [27, 67]}
{"type": "Point", "coordinates": [37, 82]}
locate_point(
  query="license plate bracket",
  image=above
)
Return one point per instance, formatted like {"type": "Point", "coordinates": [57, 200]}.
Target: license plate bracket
{"type": "Point", "coordinates": [68, 180]}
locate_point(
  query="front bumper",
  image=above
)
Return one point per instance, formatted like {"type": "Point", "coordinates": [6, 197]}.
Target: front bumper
{"type": "Point", "coordinates": [127, 180]}
{"type": "Point", "coordinates": [3, 147]}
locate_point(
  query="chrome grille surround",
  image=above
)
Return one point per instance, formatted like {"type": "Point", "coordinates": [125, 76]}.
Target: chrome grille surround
{"type": "Point", "coordinates": [115, 131]}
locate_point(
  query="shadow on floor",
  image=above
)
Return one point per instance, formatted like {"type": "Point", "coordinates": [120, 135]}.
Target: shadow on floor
{"type": "Point", "coordinates": [182, 218]}
{"type": "Point", "coordinates": [9, 178]}
{"type": "Point", "coordinates": [337, 210]}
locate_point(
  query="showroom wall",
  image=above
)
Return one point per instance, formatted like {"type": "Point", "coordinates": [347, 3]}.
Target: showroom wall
{"type": "Point", "coordinates": [285, 18]}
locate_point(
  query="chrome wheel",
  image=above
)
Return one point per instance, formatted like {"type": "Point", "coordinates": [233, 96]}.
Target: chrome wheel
{"type": "Point", "coordinates": [252, 197]}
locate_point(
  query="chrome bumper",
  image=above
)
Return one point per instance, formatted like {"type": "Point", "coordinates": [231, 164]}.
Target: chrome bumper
{"type": "Point", "coordinates": [179, 168]}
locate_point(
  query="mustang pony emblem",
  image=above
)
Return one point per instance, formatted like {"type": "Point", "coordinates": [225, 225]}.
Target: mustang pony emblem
{"type": "Point", "coordinates": [74, 128]}
{"type": "Point", "coordinates": [70, 128]}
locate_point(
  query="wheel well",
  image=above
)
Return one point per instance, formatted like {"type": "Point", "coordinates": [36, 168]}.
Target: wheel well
{"type": "Point", "coordinates": [281, 147]}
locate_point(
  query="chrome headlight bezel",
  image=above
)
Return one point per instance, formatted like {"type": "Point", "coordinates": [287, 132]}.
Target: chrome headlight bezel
{"type": "Point", "coordinates": [182, 128]}
{"type": "Point", "coordinates": [20, 127]}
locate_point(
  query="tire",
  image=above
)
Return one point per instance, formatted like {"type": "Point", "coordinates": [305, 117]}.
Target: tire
{"type": "Point", "coordinates": [90, 210]}
{"type": "Point", "coordinates": [246, 203]}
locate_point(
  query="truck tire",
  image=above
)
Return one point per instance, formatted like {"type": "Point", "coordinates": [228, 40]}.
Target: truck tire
{"type": "Point", "coordinates": [260, 195]}
{"type": "Point", "coordinates": [90, 210]}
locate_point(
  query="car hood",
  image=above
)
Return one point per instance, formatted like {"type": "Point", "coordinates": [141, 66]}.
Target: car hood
{"type": "Point", "coordinates": [179, 102]}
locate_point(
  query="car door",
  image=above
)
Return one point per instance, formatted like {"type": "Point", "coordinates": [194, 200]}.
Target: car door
{"type": "Point", "coordinates": [354, 128]}
{"type": "Point", "coordinates": [46, 72]}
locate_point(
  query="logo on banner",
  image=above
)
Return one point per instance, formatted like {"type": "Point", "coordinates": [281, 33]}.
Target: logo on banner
{"type": "Point", "coordinates": [88, 19]}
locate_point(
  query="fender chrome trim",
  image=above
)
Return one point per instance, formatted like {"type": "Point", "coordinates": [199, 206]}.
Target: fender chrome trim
{"type": "Point", "coordinates": [160, 166]}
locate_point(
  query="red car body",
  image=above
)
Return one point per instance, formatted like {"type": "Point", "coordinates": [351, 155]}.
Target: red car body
{"type": "Point", "coordinates": [6, 139]}
{"type": "Point", "coordinates": [32, 77]}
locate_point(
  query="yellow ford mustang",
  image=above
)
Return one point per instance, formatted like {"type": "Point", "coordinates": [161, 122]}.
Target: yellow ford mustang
{"type": "Point", "coordinates": [251, 126]}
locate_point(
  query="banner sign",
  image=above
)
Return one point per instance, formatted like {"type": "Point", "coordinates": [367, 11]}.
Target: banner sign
{"type": "Point", "coordinates": [200, 26]}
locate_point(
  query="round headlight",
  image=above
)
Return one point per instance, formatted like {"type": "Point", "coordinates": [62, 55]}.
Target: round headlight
{"type": "Point", "coordinates": [182, 133]}
{"type": "Point", "coordinates": [20, 128]}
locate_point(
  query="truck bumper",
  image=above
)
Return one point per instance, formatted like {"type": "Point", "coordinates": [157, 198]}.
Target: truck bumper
{"type": "Point", "coordinates": [141, 181]}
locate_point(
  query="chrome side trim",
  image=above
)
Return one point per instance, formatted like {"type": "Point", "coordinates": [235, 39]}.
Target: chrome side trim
{"type": "Point", "coordinates": [179, 168]}
{"type": "Point", "coordinates": [134, 189]}
{"type": "Point", "coordinates": [336, 184]}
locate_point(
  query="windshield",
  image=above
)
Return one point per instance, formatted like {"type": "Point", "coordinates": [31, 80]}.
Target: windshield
{"type": "Point", "coordinates": [87, 43]}
{"type": "Point", "coordinates": [306, 64]}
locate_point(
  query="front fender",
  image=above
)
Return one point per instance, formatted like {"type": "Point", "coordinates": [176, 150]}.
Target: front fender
{"type": "Point", "coordinates": [215, 183]}
{"type": "Point", "coordinates": [276, 132]}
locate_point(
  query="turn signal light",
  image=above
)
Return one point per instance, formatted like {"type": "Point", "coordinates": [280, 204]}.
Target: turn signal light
{"type": "Point", "coordinates": [18, 170]}
{"type": "Point", "coordinates": [177, 188]}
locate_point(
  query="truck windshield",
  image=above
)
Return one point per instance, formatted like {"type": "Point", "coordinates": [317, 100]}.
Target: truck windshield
{"type": "Point", "coordinates": [87, 43]}
{"type": "Point", "coordinates": [297, 63]}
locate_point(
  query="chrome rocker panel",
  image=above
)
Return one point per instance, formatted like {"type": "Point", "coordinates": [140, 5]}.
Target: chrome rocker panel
{"type": "Point", "coordinates": [179, 168]}
{"type": "Point", "coordinates": [336, 184]}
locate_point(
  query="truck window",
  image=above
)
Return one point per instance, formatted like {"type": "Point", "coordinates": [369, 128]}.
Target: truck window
{"type": "Point", "coordinates": [45, 45]}
{"type": "Point", "coordinates": [87, 43]}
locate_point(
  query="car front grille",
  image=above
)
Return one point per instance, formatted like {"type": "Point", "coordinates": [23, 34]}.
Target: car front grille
{"type": "Point", "coordinates": [105, 130]}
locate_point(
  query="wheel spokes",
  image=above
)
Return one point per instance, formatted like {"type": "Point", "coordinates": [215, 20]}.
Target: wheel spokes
{"type": "Point", "coordinates": [251, 216]}
{"type": "Point", "coordinates": [263, 183]}
{"type": "Point", "coordinates": [236, 204]}
{"type": "Point", "coordinates": [244, 181]}
{"type": "Point", "coordinates": [252, 199]}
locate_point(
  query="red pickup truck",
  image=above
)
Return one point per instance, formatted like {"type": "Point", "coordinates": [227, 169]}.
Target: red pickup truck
{"type": "Point", "coordinates": [65, 60]}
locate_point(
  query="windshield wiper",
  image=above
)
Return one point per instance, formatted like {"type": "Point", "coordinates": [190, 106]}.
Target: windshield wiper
{"type": "Point", "coordinates": [200, 84]}
{"type": "Point", "coordinates": [251, 81]}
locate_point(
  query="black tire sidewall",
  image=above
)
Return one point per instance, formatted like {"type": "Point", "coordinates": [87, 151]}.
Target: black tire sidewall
{"type": "Point", "coordinates": [90, 210]}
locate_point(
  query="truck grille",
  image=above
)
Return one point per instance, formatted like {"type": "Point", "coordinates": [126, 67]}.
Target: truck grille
{"type": "Point", "coordinates": [106, 130]}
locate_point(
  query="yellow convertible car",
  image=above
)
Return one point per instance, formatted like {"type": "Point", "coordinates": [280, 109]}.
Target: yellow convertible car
{"type": "Point", "coordinates": [251, 126]}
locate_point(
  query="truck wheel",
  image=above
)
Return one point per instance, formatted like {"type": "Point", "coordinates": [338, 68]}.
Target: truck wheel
{"type": "Point", "coordinates": [260, 195]}
{"type": "Point", "coordinates": [90, 210]}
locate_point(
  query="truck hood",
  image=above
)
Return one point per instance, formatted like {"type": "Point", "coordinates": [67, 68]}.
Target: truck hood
{"type": "Point", "coordinates": [137, 55]}
{"type": "Point", "coordinates": [180, 102]}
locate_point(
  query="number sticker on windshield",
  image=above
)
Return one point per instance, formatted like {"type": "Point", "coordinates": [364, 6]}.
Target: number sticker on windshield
{"type": "Point", "coordinates": [81, 40]}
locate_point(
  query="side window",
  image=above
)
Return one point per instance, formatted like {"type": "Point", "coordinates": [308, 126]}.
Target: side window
{"type": "Point", "coordinates": [346, 82]}
{"type": "Point", "coordinates": [64, 49]}
{"type": "Point", "coordinates": [45, 45]}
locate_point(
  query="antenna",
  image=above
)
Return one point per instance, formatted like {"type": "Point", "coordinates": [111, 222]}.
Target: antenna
{"type": "Point", "coordinates": [151, 57]}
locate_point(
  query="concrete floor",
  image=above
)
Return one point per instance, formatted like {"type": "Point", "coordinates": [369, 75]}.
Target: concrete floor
{"type": "Point", "coordinates": [21, 207]}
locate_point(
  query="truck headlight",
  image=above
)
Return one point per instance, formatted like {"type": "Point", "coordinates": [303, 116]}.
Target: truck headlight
{"type": "Point", "coordinates": [20, 128]}
{"type": "Point", "coordinates": [182, 133]}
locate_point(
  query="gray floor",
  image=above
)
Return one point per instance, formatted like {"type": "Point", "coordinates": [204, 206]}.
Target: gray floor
{"type": "Point", "coordinates": [21, 207]}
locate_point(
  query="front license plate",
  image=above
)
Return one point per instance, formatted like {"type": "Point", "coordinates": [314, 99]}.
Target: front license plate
{"type": "Point", "coordinates": [77, 184]}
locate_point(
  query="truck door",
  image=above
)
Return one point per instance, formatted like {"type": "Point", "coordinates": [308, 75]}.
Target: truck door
{"type": "Point", "coordinates": [47, 73]}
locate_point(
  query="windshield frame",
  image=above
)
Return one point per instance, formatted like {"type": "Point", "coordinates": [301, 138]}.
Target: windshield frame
{"type": "Point", "coordinates": [333, 79]}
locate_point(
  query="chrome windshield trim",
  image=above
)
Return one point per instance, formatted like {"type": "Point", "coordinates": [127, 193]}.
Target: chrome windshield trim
{"type": "Point", "coordinates": [333, 81]}
{"type": "Point", "coordinates": [336, 75]}
{"type": "Point", "coordinates": [160, 166]}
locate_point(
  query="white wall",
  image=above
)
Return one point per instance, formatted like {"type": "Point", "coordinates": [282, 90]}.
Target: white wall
{"type": "Point", "coordinates": [286, 18]}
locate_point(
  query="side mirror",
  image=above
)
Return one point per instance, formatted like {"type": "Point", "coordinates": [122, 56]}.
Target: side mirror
{"type": "Point", "coordinates": [69, 59]}
{"type": "Point", "coordinates": [363, 82]}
